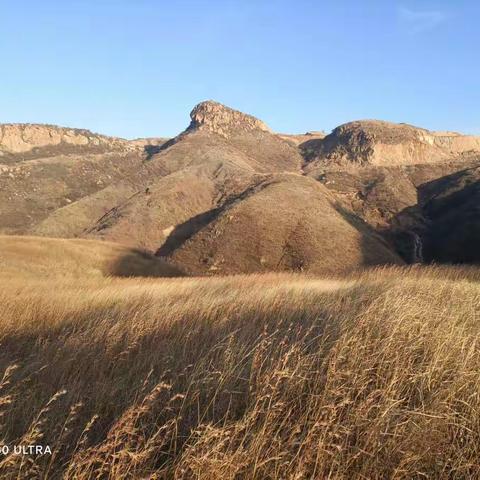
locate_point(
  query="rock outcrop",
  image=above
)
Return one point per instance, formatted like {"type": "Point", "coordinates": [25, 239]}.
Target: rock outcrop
{"type": "Point", "coordinates": [383, 143]}
{"type": "Point", "coordinates": [217, 118]}
{"type": "Point", "coordinates": [21, 137]}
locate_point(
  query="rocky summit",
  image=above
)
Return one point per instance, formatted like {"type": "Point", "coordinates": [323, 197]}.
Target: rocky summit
{"type": "Point", "coordinates": [229, 195]}
{"type": "Point", "coordinates": [222, 120]}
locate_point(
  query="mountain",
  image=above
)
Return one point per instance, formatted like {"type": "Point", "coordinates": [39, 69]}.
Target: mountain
{"type": "Point", "coordinates": [219, 155]}
{"type": "Point", "coordinates": [229, 195]}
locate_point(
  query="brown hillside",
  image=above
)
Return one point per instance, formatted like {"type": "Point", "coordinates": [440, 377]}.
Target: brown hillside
{"type": "Point", "coordinates": [379, 193]}
{"type": "Point", "coordinates": [148, 218]}
{"type": "Point", "coordinates": [32, 190]}
{"type": "Point", "coordinates": [284, 222]}
{"type": "Point", "coordinates": [212, 161]}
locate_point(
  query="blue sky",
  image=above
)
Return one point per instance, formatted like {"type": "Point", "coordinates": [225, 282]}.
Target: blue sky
{"type": "Point", "coordinates": [137, 67]}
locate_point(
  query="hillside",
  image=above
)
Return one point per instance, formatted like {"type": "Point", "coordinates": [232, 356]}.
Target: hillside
{"type": "Point", "coordinates": [149, 217]}
{"type": "Point", "coordinates": [382, 171]}
{"type": "Point", "coordinates": [284, 222]}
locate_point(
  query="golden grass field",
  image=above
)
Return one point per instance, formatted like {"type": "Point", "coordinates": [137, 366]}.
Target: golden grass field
{"type": "Point", "coordinates": [278, 376]}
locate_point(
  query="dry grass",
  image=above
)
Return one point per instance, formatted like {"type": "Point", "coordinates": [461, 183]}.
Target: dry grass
{"type": "Point", "coordinates": [248, 377]}
{"type": "Point", "coordinates": [33, 257]}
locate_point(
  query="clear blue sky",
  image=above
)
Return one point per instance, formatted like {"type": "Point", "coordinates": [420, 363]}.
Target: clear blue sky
{"type": "Point", "coordinates": [137, 67]}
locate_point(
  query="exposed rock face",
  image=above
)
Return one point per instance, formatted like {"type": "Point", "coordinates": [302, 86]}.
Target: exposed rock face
{"type": "Point", "coordinates": [224, 121]}
{"type": "Point", "coordinates": [19, 138]}
{"type": "Point", "coordinates": [383, 143]}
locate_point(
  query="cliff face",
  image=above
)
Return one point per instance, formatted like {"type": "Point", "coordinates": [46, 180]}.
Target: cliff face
{"type": "Point", "coordinates": [20, 138]}
{"type": "Point", "coordinates": [382, 143]}
{"type": "Point", "coordinates": [217, 118]}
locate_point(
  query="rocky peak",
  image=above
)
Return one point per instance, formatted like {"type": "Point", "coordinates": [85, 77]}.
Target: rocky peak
{"type": "Point", "coordinates": [222, 120]}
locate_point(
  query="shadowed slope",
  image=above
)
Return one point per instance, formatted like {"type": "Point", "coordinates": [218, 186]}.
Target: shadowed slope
{"type": "Point", "coordinates": [450, 207]}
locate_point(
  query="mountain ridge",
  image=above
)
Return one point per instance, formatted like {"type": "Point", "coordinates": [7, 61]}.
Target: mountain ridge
{"type": "Point", "coordinates": [362, 183]}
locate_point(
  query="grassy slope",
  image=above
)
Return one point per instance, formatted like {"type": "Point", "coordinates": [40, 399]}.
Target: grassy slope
{"type": "Point", "coordinates": [273, 376]}
{"type": "Point", "coordinates": [26, 258]}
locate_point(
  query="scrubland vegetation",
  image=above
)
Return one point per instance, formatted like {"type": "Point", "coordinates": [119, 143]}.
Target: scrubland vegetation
{"type": "Point", "coordinates": [246, 377]}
